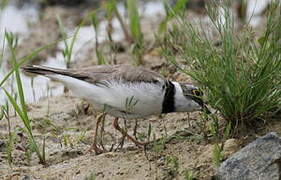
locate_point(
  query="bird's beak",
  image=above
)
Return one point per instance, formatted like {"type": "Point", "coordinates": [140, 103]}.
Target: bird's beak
{"type": "Point", "coordinates": [205, 109]}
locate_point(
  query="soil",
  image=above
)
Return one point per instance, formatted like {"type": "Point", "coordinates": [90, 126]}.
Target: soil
{"type": "Point", "coordinates": [67, 124]}
{"type": "Point", "coordinates": [72, 161]}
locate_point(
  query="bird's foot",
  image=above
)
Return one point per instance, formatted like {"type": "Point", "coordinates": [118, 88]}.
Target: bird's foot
{"type": "Point", "coordinates": [126, 135]}
{"type": "Point", "coordinates": [96, 149]}
{"type": "Point", "coordinates": [137, 143]}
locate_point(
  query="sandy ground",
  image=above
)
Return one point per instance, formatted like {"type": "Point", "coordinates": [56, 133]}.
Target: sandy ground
{"type": "Point", "coordinates": [72, 161]}
{"type": "Point", "coordinates": [68, 124]}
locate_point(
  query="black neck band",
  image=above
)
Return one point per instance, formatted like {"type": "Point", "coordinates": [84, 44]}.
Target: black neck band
{"type": "Point", "coordinates": [169, 99]}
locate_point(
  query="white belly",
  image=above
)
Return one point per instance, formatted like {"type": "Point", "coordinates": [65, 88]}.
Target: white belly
{"type": "Point", "coordinates": [134, 100]}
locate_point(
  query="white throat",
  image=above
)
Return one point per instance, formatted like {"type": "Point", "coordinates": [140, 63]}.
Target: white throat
{"type": "Point", "coordinates": [182, 103]}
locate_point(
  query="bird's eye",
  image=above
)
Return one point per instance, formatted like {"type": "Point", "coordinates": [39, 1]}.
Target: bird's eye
{"type": "Point", "coordinates": [196, 92]}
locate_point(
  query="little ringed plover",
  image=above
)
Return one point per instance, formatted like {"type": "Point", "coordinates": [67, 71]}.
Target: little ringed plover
{"type": "Point", "coordinates": [125, 91]}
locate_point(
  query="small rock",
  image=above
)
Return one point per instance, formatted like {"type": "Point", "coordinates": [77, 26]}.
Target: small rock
{"type": "Point", "coordinates": [2, 145]}
{"type": "Point", "coordinates": [161, 161]}
{"type": "Point", "coordinates": [26, 177]}
{"type": "Point", "coordinates": [258, 160]}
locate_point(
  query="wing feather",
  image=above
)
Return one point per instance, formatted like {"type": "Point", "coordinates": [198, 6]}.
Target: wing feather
{"type": "Point", "coordinates": [103, 73]}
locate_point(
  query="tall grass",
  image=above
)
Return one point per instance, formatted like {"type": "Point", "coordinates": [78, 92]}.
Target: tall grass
{"type": "Point", "coordinates": [95, 24]}
{"type": "Point", "coordinates": [21, 108]}
{"type": "Point", "coordinates": [132, 31]}
{"type": "Point", "coordinates": [241, 77]}
{"type": "Point", "coordinates": [134, 19]}
{"type": "Point", "coordinates": [2, 52]}
{"type": "Point", "coordinates": [110, 8]}
{"type": "Point", "coordinates": [68, 47]}
{"type": "Point", "coordinates": [171, 12]}
{"type": "Point", "coordinates": [1, 113]}
{"type": "Point", "coordinates": [135, 28]}
{"type": "Point", "coordinates": [12, 135]}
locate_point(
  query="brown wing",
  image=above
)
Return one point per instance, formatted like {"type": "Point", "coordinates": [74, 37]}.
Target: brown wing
{"type": "Point", "coordinates": [103, 73]}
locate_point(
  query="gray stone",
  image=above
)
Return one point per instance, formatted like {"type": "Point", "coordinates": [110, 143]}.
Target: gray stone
{"type": "Point", "coordinates": [259, 160]}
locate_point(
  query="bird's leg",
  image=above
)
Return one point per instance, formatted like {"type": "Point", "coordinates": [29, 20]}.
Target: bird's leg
{"type": "Point", "coordinates": [102, 131]}
{"type": "Point", "coordinates": [135, 129]}
{"type": "Point", "coordinates": [94, 146]}
{"type": "Point", "coordinates": [118, 128]}
{"type": "Point", "coordinates": [123, 137]}
{"type": "Point", "coordinates": [121, 143]}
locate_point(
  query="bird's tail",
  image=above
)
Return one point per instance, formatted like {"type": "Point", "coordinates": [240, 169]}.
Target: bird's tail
{"type": "Point", "coordinates": [42, 70]}
{"type": "Point", "coordinates": [52, 72]}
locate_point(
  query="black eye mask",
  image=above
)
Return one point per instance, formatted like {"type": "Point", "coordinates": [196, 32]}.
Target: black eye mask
{"type": "Point", "coordinates": [196, 92]}
{"type": "Point", "coordinates": [196, 95]}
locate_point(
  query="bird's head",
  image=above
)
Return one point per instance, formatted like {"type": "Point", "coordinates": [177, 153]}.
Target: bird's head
{"type": "Point", "coordinates": [191, 99]}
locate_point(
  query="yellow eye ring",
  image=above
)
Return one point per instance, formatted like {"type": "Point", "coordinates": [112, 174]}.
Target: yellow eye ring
{"type": "Point", "coordinates": [196, 92]}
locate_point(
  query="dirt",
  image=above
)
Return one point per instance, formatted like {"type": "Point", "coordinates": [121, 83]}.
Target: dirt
{"type": "Point", "coordinates": [71, 160]}
{"type": "Point", "coordinates": [68, 124]}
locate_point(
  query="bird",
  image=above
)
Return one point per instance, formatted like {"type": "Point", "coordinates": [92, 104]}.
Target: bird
{"type": "Point", "coordinates": [125, 91]}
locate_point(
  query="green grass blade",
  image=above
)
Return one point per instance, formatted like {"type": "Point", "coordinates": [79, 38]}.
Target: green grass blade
{"type": "Point", "coordinates": [16, 107]}
{"type": "Point", "coordinates": [240, 77]}
{"type": "Point", "coordinates": [134, 19]}
{"type": "Point", "coordinates": [1, 113]}
{"type": "Point", "coordinates": [27, 126]}
{"type": "Point", "coordinates": [17, 74]}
